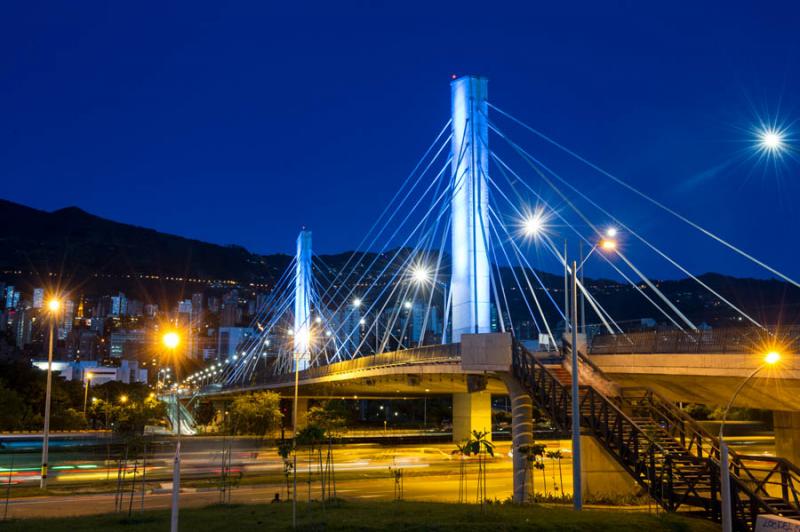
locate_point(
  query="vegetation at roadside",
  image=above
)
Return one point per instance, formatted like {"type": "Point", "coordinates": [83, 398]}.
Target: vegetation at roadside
{"type": "Point", "coordinates": [365, 517]}
{"type": "Point", "coordinates": [22, 395]}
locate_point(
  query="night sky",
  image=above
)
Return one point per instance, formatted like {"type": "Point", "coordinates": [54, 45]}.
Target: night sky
{"type": "Point", "coordinates": [241, 123]}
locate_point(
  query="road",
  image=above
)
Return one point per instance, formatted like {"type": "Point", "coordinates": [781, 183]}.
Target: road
{"type": "Point", "coordinates": [363, 472]}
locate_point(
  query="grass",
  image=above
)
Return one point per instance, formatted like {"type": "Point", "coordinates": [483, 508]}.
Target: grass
{"type": "Point", "coordinates": [367, 517]}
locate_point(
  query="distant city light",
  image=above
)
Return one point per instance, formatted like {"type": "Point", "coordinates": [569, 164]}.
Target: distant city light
{"type": "Point", "coordinates": [407, 304]}
{"type": "Point", "coordinates": [53, 305]}
{"type": "Point", "coordinates": [773, 357]}
{"type": "Point", "coordinates": [362, 321]}
{"type": "Point", "coordinates": [611, 232]}
{"type": "Point", "coordinates": [356, 302]}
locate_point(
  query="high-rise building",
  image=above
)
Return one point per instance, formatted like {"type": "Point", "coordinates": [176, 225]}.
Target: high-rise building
{"type": "Point", "coordinates": [231, 339]}
{"type": "Point", "coordinates": [213, 304]}
{"type": "Point", "coordinates": [150, 310]}
{"type": "Point", "coordinates": [38, 297]}
{"type": "Point", "coordinates": [67, 319]}
{"type": "Point", "coordinates": [135, 308]}
{"type": "Point", "coordinates": [23, 319]}
{"type": "Point", "coordinates": [231, 313]}
{"type": "Point", "coordinates": [11, 297]}
{"type": "Point", "coordinates": [197, 309]}
{"type": "Point", "coordinates": [119, 305]}
{"type": "Point", "coordinates": [127, 344]}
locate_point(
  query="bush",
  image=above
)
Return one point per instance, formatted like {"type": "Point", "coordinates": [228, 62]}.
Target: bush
{"type": "Point", "coordinates": [257, 413]}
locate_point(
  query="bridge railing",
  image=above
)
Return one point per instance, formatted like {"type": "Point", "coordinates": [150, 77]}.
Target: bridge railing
{"type": "Point", "coordinates": [431, 354]}
{"type": "Point", "coordinates": [721, 340]}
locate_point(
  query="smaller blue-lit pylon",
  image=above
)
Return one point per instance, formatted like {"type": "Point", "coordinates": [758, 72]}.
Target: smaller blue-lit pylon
{"type": "Point", "coordinates": [303, 288]}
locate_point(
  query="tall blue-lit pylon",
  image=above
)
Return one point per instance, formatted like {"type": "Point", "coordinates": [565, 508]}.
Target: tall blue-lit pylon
{"type": "Point", "coordinates": [470, 281]}
{"type": "Point", "coordinates": [302, 302]}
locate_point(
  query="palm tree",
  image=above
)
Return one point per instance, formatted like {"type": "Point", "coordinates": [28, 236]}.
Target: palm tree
{"type": "Point", "coordinates": [462, 451]}
{"type": "Point", "coordinates": [556, 455]}
{"type": "Point", "coordinates": [480, 446]}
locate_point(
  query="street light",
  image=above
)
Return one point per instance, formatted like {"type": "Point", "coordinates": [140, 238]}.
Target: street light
{"type": "Point", "coordinates": [171, 340]}
{"type": "Point", "coordinates": [607, 244]}
{"type": "Point", "coordinates": [534, 223]}
{"type": "Point", "coordinates": [771, 140]}
{"type": "Point", "coordinates": [770, 359]}
{"type": "Point", "coordinates": [53, 305]}
{"type": "Point", "coordinates": [88, 379]}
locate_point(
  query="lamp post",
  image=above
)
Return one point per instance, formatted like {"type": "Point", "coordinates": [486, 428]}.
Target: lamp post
{"type": "Point", "coordinates": [54, 305]}
{"type": "Point", "coordinates": [770, 359]}
{"type": "Point", "coordinates": [171, 341]}
{"type": "Point", "coordinates": [534, 226]}
{"type": "Point", "coordinates": [88, 379]}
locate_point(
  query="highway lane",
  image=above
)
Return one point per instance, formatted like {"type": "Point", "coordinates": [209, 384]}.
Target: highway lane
{"type": "Point", "coordinates": [364, 472]}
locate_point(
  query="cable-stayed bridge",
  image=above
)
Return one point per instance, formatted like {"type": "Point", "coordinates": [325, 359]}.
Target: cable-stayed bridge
{"type": "Point", "coordinates": [442, 279]}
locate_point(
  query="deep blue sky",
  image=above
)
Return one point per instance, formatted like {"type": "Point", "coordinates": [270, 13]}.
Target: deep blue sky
{"type": "Point", "coordinates": [240, 123]}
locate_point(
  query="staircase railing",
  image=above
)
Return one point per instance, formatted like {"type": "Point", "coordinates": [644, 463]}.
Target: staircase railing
{"type": "Point", "coordinates": [658, 469]}
{"type": "Point", "coordinates": [766, 476]}
{"type": "Point", "coordinates": [638, 453]}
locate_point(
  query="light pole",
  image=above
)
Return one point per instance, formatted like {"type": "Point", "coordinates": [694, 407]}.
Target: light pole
{"type": "Point", "coordinates": [534, 226]}
{"type": "Point", "coordinates": [53, 306]}
{"type": "Point", "coordinates": [770, 359]}
{"type": "Point", "coordinates": [171, 341]}
{"type": "Point", "coordinates": [577, 482]}
{"type": "Point", "coordinates": [88, 379]}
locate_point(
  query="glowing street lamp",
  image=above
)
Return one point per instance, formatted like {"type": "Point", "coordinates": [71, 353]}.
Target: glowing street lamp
{"type": "Point", "coordinates": [88, 379]}
{"type": "Point", "coordinates": [771, 140]}
{"type": "Point", "coordinates": [171, 340]}
{"type": "Point", "coordinates": [771, 358]}
{"type": "Point", "coordinates": [53, 306]}
{"type": "Point", "coordinates": [420, 275]}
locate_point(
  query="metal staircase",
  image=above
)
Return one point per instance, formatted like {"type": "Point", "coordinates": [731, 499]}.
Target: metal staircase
{"type": "Point", "coordinates": [668, 454]}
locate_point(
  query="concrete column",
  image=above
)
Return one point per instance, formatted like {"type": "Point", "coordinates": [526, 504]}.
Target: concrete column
{"type": "Point", "coordinates": [471, 411]}
{"type": "Point", "coordinates": [521, 435]}
{"type": "Point", "coordinates": [601, 475]}
{"type": "Point", "coordinates": [787, 435]}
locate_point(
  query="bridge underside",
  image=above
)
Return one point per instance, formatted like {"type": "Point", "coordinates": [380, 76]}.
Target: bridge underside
{"type": "Point", "coordinates": [707, 378]}
{"type": "Point", "coordinates": [395, 383]}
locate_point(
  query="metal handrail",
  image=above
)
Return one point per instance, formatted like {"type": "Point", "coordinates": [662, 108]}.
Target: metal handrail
{"type": "Point", "coordinates": [722, 340]}
{"type": "Point", "coordinates": [654, 467]}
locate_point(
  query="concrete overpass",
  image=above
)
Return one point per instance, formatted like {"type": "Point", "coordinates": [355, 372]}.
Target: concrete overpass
{"type": "Point", "coordinates": [419, 372]}
{"type": "Point", "coordinates": [707, 367]}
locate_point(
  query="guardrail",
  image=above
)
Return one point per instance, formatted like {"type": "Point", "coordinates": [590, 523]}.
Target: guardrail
{"type": "Point", "coordinates": [722, 340]}
{"type": "Point", "coordinates": [431, 354]}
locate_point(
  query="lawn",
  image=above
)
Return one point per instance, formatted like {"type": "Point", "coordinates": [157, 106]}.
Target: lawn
{"type": "Point", "coordinates": [395, 516]}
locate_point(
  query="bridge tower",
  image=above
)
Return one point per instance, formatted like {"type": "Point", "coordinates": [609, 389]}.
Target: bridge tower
{"type": "Point", "coordinates": [302, 302]}
{"type": "Point", "coordinates": [470, 274]}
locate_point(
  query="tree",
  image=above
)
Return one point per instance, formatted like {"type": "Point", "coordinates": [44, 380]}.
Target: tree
{"type": "Point", "coordinates": [480, 445]}
{"type": "Point", "coordinates": [205, 413]}
{"type": "Point", "coordinates": [462, 451]}
{"type": "Point", "coordinates": [257, 413]}
{"type": "Point", "coordinates": [14, 410]}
